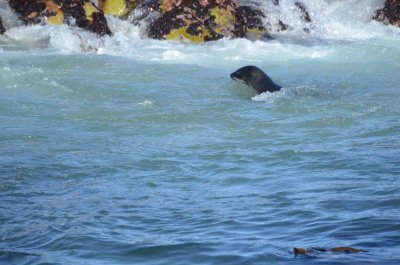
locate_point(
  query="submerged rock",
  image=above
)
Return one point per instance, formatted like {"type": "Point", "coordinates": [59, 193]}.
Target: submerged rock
{"type": "Point", "coordinates": [203, 20]}
{"type": "Point", "coordinates": [80, 13]}
{"type": "Point", "coordinates": [390, 13]}
{"type": "Point", "coordinates": [2, 29]}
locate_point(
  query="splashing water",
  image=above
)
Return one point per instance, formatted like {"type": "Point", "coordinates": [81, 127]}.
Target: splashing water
{"type": "Point", "coordinates": [126, 150]}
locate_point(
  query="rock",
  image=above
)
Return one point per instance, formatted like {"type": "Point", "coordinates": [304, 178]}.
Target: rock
{"type": "Point", "coordinates": [80, 13]}
{"type": "Point", "coordinates": [298, 8]}
{"type": "Point", "coordinates": [118, 8]}
{"type": "Point", "coordinates": [203, 20]}
{"type": "Point", "coordinates": [303, 10]}
{"type": "Point", "coordinates": [249, 23]}
{"type": "Point", "coordinates": [390, 13]}
{"type": "Point", "coordinates": [196, 21]}
{"type": "Point", "coordinates": [2, 29]}
{"type": "Point", "coordinates": [84, 14]}
{"type": "Point", "coordinates": [144, 13]}
{"type": "Point", "coordinates": [28, 11]}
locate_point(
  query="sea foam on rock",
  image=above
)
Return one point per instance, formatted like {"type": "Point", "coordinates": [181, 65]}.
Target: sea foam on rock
{"type": "Point", "coordinates": [191, 20]}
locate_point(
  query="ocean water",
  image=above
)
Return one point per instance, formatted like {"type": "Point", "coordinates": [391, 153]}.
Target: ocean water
{"type": "Point", "coordinates": [124, 150]}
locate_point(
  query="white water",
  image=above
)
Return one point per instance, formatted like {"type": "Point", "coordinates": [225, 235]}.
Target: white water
{"type": "Point", "coordinates": [335, 25]}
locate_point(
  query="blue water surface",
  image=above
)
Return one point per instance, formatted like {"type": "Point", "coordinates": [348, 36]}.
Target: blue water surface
{"type": "Point", "coordinates": [113, 160]}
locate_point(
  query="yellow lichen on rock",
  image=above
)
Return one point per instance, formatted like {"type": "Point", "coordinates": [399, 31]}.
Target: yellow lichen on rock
{"type": "Point", "coordinates": [255, 31]}
{"type": "Point", "coordinates": [223, 18]}
{"type": "Point", "coordinates": [89, 10]}
{"type": "Point", "coordinates": [205, 20]}
{"type": "Point", "coordinates": [58, 17]}
{"type": "Point", "coordinates": [114, 7]}
{"type": "Point", "coordinates": [118, 8]}
{"type": "Point", "coordinates": [181, 33]}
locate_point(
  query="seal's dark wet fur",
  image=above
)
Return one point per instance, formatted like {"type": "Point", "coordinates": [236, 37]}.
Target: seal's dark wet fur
{"type": "Point", "coordinates": [256, 78]}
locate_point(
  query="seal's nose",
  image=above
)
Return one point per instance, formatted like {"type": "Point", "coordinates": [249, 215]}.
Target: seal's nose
{"type": "Point", "coordinates": [235, 76]}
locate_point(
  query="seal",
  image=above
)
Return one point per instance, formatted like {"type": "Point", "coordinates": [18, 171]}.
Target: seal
{"type": "Point", "coordinates": [253, 76]}
{"type": "Point", "coordinates": [316, 251]}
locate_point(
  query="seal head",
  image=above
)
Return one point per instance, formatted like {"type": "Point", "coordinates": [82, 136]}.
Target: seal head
{"type": "Point", "coordinates": [256, 78]}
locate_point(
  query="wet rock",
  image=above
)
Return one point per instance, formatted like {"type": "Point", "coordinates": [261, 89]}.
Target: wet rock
{"type": "Point", "coordinates": [80, 13]}
{"type": "Point", "coordinates": [145, 13]}
{"type": "Point", "coordinates": [84, 14]}
{"type": "Point", "coordinates": [283, 26]}
{"type": "Point", "coordinates": [390, 13]}
{"type": "Point", "coordinates": [303, 10]}
{"type": "Point", "coordinates": [204, 20]}
{"type": "Point", "coordinates": [196, 21]}
{"type": "Point", "coordinates": [249, 23]}
{"type": "Point", "coordinates": [28, 11]}
{"type": "Point", "coordinates": [2, 29]}
{"type": "Point", "coordinates": [118, 8]}
{"type": "Point", "coordinates": [298, 8]}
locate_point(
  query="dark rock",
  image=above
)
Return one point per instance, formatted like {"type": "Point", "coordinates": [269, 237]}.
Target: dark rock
{"type": "Point", "coordinates": [188, 19]}
{"type": "Point", "coordinates": [249, 19]}
{"type": "Point", "coordinates": [145, 13]}
{"type": "Point", "coordinates": [304, 15]}
{"type": "Point", "coordinates": [2, 29]}
{"type": "Point", "coordinates": [283, 26]}
{"type": "Point", "coordinates": [165, 23]}
{"type": "Point", "coordinates": [28, 11]}
{"type": "Point", "coordinates": [204, 20]}
{"type": "Point", "coordinates": [389, 14]}
{"type": "Point", "coordinates": [81, 13]}
{"type": "Point", "coordinates": [85, 15]}
{"type": "Point", "coordinates": [303, 10]}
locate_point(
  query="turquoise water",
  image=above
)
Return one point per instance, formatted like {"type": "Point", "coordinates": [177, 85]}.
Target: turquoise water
{"type": "Point", "coordinates": [145, 152]}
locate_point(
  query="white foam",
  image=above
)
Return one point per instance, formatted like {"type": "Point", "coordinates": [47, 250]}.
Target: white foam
{"type": "Point", "coordinates": [269, 97]}
{"type": "Point", "coordinates": [172, 55]}
{"type": "Point", "coordinates": [146, 103]}
{"type": "Point", "coordinates": [331, 19]}
{"type": "Point", "coordinates": [341, 21]}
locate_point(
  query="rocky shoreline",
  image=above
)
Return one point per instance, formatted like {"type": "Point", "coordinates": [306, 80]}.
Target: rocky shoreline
{"type": "Point", "coordinates": [390, 13]}
{"type": "Point", "coordinates": [191, 20]}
